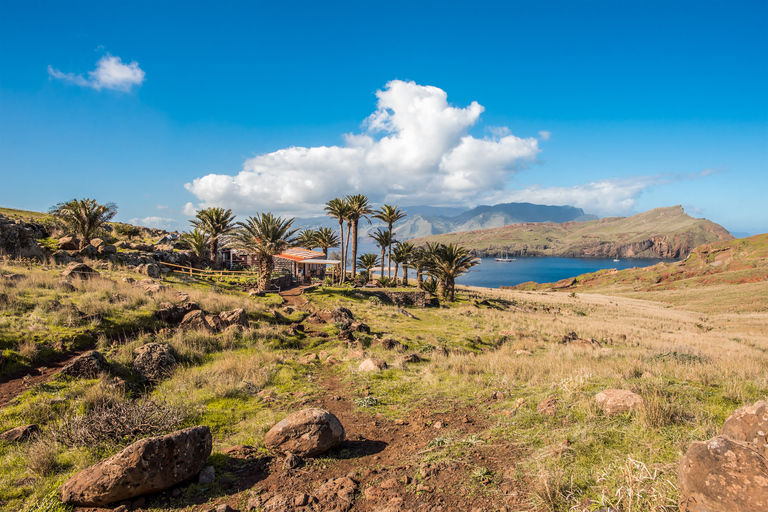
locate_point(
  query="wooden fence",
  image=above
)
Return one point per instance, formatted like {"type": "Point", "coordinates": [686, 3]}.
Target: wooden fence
{"type": "Point", "coordinates": [210, 273]}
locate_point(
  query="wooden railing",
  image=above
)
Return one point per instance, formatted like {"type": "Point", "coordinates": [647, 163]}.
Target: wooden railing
{"type": "Point", "coordinates": [209, 273]}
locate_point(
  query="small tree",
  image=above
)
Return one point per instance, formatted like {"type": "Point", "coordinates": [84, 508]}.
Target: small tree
{"type": "Point", "coordinates": [368, 261]}
{"type": "Point", "coordinates": [307, 238]}
{"type": "Point", "coordinates": [326, 238]}
{"type": "Point", "coordinates": [446, 264]}
{"type": "Point", "coordinates": [216, 223]}
{"type": "Point", "coordinates": [197, 241]}
{"type": "Point", "coordinates": [266, 236]}
{"type": "Point", "coordinates": [84, 217]}
{"type": "Point", "coordinates": [390, 215]}
{"type": "Point", "coordinates": [383, 238]}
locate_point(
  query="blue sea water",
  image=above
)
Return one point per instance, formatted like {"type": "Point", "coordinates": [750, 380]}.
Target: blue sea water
{"type": "Point", "coordinates": [492, 274]}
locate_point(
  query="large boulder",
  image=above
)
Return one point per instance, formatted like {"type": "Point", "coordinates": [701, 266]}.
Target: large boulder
{"type": "Point", "coordinates": [147, 466]}
{"type": "Point", "coordinates": [154, 361]}
{"type": "Point", "coordinates": [305, 433]}
{"type": "Point", "coordinates": [198, 320]}
{"type": "Point", "coordinates": [723, 475]}
{"type": "Point", "coordinates": [150, 270]}
{"type": "Point", "coordinates": [88, 251]}
{"type": "Point", "coordinates": [234, 317]}
{"type": "Point", "coordinates": [749, 424]}
{"type": "Point", "coordinates": [80, 270]}
{"type": "Point", "coordinates": [174, 314]}
{"type": "Point", "coordinates": [69, 243]}
{"type": "Point", "coordinates": [89, 365]}
{"type": "Point", "coordinates": [617, 401]}
{"type": "Point", "coordinates": [372, 364]}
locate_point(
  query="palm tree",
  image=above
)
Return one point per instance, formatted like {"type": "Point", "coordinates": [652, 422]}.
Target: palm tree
{"type": "Point", "coordinates": [358, 208]}
{"type": "Point", "coordinates": [449, 262]}
{"type": "Point", "coordinates": [197, 241]}
{"type": "Point", "coordinates": [216, 222]}
{"type": "Point", "coordinates": [390, 215]}
{"type": "Point", "coordinates": [419, 259]}
{"type": "Point", "coordinates": [326, 238]}
{"type": "Point", "coordinates": [383, 239]}
{"type": "Point", "coordinates": [404, 253]}
{"type": "Point", "coordinates": [368, 261]}
{"type": "Point", "coordinates": [339, 209]}
{"type": "Point", "coordinates": [84, 217]}
{"type": "Point", "coordinates": [266, 236]}
{"type": "Point", "coordinates": [307, 239]}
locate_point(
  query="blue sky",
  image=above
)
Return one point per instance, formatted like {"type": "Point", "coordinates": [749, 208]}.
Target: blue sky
{"type": "Point", "coordinates": [163, 107]}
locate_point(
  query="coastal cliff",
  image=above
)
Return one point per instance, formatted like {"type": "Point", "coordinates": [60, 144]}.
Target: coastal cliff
{"type": "Point", "coordinates": [659, 233]}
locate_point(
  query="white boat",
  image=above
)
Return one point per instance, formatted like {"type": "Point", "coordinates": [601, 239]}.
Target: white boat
{"type": "Point", "coordinates": [505, 259]}
{"type": "Point", "coordinates": [617, 259]}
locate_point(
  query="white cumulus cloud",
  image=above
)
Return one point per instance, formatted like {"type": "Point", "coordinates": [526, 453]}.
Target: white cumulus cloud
{"type": "Point", "coordinates": [110, 73]}
{"type": "Point", "coordinates": [416, 145]}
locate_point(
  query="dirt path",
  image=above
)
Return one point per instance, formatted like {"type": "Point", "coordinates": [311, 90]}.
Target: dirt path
{"type": "Point", "coordinates": [293, 297]}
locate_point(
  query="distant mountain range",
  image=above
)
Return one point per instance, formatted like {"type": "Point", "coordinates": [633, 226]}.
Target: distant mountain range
{"type": "Point", "coordinates": [658, 233]}
{"type": "Point", "coordinates": [430, 220]}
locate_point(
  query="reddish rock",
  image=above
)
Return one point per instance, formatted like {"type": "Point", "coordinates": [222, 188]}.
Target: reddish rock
{"type": "Point", "coordinates": [197, 320]}
{"type": "Point", "coordinates": [548, 406]}
{"type": "Point", "coordinates": [373, 364]}
{"type": "Point", "coordinates": [305, 433]}
{"type": "Point", "coordinates": [80, 270]}
{"type": "Point", "coordinates": [723, 475]}
{"type": "Point", "coordinates": [749, 424]}
{"type": "Point", "coordinates": [19, 434]}
{"type": "Point", "coordinates": [234, 317]}
{"type": "Point", "coordinates": [154, 361]}
{"type": "Point", "coordinates": [147, 466]}
{"type": "Point", "coordinates": [617, 401]}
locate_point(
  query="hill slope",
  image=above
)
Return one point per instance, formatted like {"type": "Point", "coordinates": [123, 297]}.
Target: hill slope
{"type": "Point", "coordinates": [659, 233]}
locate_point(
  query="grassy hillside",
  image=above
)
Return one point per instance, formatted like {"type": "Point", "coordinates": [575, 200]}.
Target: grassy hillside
{"type": "Point", "coordinates": [724, 276]}
{"type": "Point", "coordinates": [459, 428]}
{"type": "Point", "coordinates": [658, 232]}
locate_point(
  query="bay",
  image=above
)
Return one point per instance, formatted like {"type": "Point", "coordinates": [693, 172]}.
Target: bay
{"type": "Point", "coordinates": [492, 274]}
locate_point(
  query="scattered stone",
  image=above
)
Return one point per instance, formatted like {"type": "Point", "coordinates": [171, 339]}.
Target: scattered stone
{"type": "Point", "coordinates": [373, 364]}
{"type": "Point", "coordinates": [198, 320]}
{"type": "Point", "coordinates": [405, 312]}
{"type": "Point", "coordinates": [356, 354]}
{"type": "Point", "coordinates": [412, 358]}
{"type": "Point", "coordinates": [224, 508]}
{"type": "Point", "coordinates": [390, 344]}
{"type": "Point", "coordinates": [438, 425]}
{"type": "Point", "coordinates": [150, 270]}
{"type": "Point", "coordinates": [150, 286]}
{"type": "Point", "coordinates": [722, 475]}
{"type": "Point", "coordinates": [256, 293]}
{"type": "Point", "coordinates": [359, 327]}
{"type": "Point", "coordinates": [69, 243]}
{"type": "Point", "coordinates": [309, 358]}
{"type": "Point", "coordinates": [175, 314]}
{"type": "Point", "coordinates": [523, 352]}
{"type": "Point", "coordinates": [235, 317]}
{"type": "Point", "coordinates": [147, 466]}
{"type": "Point", "coordinates": [88, 251]}
{"type": "Point", "coordinates": [617, 401]}
{"type": "Point", "coordinates": [291, 461]}
{"type": "Point", "coordinates": [548, 406]}
{"type": "Point", "coordinates": [440, 351]}
{"type": "Point", "coordinates": [207, 475]}
{"type": "Point", "coordinates": [336, 494]}
{"type": "Point", "coordinates": [19, 434]}
{"type": "Point", "coordinates": [154, 361]}
{"type": "Point", "coordinates": [305, 433]}
{"type": "Point", "coordinates": [749, 424]}
{"type": "Point", "coordinates": [88, 366]}
{"type": "Point", "coordinates": [80, 270]}
{"type": "Point", "coordinates": [498, 395]}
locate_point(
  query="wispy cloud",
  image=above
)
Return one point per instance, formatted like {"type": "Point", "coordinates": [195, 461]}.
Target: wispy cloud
{"type": "Point", "coordinates": [110, 73]}
{"type": "Point", "coordinates": [545, 135]}
{"type": "Point", "coordinates": [156, 222]}
{"type": "Point", "coordinates": [414, 148]}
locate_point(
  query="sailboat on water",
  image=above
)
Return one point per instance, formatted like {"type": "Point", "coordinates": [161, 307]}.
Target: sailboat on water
{"type": "Point", "coordinates": [505, 259]}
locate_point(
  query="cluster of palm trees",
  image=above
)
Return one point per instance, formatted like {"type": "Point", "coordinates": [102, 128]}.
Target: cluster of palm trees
{"type": "Point", "coordinates": [266, 236]}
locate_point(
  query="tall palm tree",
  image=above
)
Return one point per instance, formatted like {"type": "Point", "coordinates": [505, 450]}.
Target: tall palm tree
{"type": "Point", "coordinates": [266, 236]}
{"type": "Point", "coordinates": [197, 241]}
{"type": "Point", "coordinates": [449, 262]}
{"type": "Point", "coordinates": [368, 261]}
{"type": "Point", "coordinates": [326, 238]}
{"type": "Point", "coordinates": [216, 222]}
{"type": "Point", "coordinates": [390, 215]}
{"type": "Point", "coordinates": [307, 238]}
{"type": "Point", "coordinates": [383, 239]}
{"type": "Point", "coordinates": [359, 207]}
{"type": "Point", "coordinates": [84, 217]}
{"type": "Point", "coordinates": [404, 253]}
{"type": "Point", "coordinates": [339, 209]}
{"type": "Point", "coordinates": [419, 261]}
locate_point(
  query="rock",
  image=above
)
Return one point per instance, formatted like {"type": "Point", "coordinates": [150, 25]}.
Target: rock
{"type": "Point", "coordinates": [65, 286]}
{"type": "Point", "coordinates": [142, 247]}
{"type": "Point", "coordinates": [359, 327]}
{"type": "Point", "coordinates": [97, 242]}
{"type": "Point", "coordinates": [749, 424]}
{"type": "Point", "coordinates": [175, 314]}
{"type": "Point", "coordinates": [405, 312]}
{"type": "Point", "coordinates": [356, 354]}
{"type": "Point", "coordinates": [372, 364]}
{"type": "Point", "coordinates": [150, 270]}
{"type": "Point", "coordinates": [215, 322]}
{"type": "Point", "coordinates": [342, 314]}
{"type": "Point", "coordinates": [412, 358]}
{"type": "Point", "coordinates": [88, 251]}
{"type": "Point", "coordinates": [80, 270]}
{"type": "Point", "coordinates": [440, 351]}
{"type": "Point", "coordinates": [154, 361]}
{"type": "Point", "coordinates": [309, 358]}
{"type": "Point", "coordinates": [105, 250]}
{"type": "Point", "coordinates": [197, 320]}
{"type": "Point", "coordinates": [305, 433]}
{"type": "Point", "coordinates": [147, 466]}
{"type": "Point", "coordinates": [723, 475]}
{"type": "Point", "coordinates": [207, 475]}
{"type": "Point", "coordinates": [19, 434]}
{"type": "Point", "coordinates": [62, 257]}
{"type": "Point", "coordinates": [291, 461]}
{"type": "Point", "coordinates": [69, 243]}
{"type": "Point", "coordinates": [617, 401]}
{"type": "Point", "coordinates": [548, 406]}
{"type": "Point", "coordinates": [235, 317]}
{"type": "Point", "coordinates": [390, 344]}
{"type": "Point", "coordinates": [522, 352]}
{"type": "Point", "coordinates": [149, 286]}
{"type": "Point", "coordinates": [336, 494]}
{"type": "Point", "coordinates": [89, 365]}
